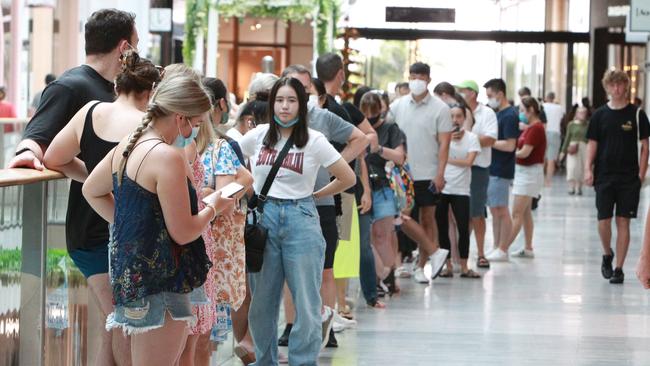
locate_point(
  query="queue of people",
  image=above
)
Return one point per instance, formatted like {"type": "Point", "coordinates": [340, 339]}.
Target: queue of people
{"type": "Point", "coordinates": [150, 154]}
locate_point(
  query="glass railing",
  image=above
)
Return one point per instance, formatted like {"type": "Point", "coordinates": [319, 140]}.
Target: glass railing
{"type": "Point", "coordinates": [47, 316]}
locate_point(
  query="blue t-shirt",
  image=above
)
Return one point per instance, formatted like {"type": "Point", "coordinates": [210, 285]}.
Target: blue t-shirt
{"type": "Point", "coordinates": [503, 163]}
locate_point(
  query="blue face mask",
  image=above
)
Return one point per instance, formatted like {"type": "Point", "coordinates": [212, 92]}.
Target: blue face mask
{"type": "Point", "coordinates": [182, 141]}
{"type": "Point", "coordinates": [523, 118]}
{"type": "Point", "coordinates": [287, 124]}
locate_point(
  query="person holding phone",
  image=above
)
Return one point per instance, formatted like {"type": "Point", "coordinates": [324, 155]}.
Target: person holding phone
{"type": "Point", "coordinates": [157, 256]}
{"type": "Point", "coordinates": [295, 247]}
{"type": "Point", "coordinates": [463, 150]}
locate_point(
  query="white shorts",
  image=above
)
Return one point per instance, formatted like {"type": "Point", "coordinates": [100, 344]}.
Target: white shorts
{"type": "Point", "coordinates": [528, 180]}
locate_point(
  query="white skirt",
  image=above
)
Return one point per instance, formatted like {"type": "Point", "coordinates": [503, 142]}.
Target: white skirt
{"type": "Point", "coordinates": [529, 180]}
{"type": "Point", "coordinates": [575, 164]}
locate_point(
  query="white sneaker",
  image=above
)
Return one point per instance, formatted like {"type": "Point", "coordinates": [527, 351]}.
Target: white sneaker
{"type": "Point", "coordinates": [402, 272]}
{"type": "Point", "coordinates": [327, 315]}
{"type": "Point", "coordinates": [341, 323]}
{"type": "Point", "coordinates": [419, 276]}
{"type": "Point", "coordinates": [497, 255]}
{"type": "Point", "coordinates": [438, 260]}
{"type": "Point", "coordinates": [523, 253]}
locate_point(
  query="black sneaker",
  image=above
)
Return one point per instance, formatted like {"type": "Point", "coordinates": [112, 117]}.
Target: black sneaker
{"type": "Point", "coordinates": [283, 341]}
{"type": "Point", "coordinates": [618, 276]}
{"type": "Point", "coordinates": [606, 266]}
{"type": "Point", "coordinates": [332, 342]}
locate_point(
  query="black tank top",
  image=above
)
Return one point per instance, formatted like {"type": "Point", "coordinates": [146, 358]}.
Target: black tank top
{"type": "Point", "coordinates": [84, 228]}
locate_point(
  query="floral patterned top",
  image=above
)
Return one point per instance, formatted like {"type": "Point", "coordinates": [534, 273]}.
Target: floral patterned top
{"type": "Point", "coordinates": [224, 241]}
{"type": "Point", "coordinates": [226, 162]}
{"type": "Point", "coordinates": [144, 259]}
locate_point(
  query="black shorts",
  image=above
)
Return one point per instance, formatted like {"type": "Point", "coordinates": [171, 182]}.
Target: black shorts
{"type": "Point", "coordinates": [330, 232]}
{"type": "Point", "coordinates": [423, 196]}
{"type": "Point", "coordinates": [622, 192]}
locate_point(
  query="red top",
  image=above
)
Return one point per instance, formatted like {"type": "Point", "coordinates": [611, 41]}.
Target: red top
{"type": "Point", "coordinates": [534, 135]}
{"type": "Point", "coordinates": [7, 111]}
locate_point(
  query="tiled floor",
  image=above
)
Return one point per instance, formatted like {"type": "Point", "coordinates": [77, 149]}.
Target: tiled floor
{"type": "Point", "coordinates": [555, 309]}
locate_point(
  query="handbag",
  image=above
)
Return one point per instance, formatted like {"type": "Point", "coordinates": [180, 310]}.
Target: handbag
{"type": "Point", "coordinates": [255, 234]}
{"type": "Point", "coordinates": [572, 149]}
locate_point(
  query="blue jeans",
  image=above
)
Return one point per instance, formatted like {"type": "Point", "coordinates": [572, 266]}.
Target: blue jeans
{"type": "Point", "coordinates": [295, 251]}
{"type": "Point", "coordinates": [367, 274]}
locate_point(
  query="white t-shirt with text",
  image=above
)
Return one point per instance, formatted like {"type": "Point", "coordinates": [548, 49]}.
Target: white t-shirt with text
{"type": "Point", "coordinates": [458, 178]}
{"type": "Point", "coordinates": [298, 171]}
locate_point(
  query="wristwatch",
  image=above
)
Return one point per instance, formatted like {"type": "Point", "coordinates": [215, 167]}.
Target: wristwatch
{"type": "Point", "coordinates": [23, 150]}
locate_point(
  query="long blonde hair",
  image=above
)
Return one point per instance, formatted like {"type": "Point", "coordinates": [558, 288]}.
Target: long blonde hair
{"type": "Point", "coordinates": [178, 94]}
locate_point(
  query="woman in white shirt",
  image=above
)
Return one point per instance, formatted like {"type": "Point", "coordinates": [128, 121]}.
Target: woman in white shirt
{"type": "Point", "coordinates": [295, 247]}
{"type": "Point", "coordinates": [463, 149]}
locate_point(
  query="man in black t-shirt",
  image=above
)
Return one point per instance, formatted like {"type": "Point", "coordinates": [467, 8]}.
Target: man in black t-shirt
{"type": "Point", "coordinates": [614, 133]}
{"type": "Point", "coordinates": [108, 34]}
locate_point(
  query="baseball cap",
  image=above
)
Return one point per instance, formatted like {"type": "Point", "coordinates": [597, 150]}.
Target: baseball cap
{"type": "Point", "coordinates": [468, 84]}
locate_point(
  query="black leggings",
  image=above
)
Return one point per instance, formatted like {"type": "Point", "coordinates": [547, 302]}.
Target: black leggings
{"type": "Point", "coordinates": [460, 207]}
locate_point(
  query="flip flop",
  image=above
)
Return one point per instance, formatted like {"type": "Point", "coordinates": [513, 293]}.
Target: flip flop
{"type": "Point", "coordinates": [482, 262]}
{"type": "Point", "coordinates": [446, 274]}
{"type": "Point", "coordinates": [470, 274]}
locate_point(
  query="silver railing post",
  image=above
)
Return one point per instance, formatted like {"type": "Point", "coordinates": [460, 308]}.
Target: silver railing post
{"type": "Point", "coordinates": [33, 274]}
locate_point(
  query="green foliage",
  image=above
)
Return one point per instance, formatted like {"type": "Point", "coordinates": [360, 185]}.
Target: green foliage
{"type": "Point", "coordinates": [303, 10]}
{"type": "Point", "coordinates": [391, 65]}
{"type": "Point", "coordinates": [11, 261]}
{"type": "Point", "coordinates": [196, 21]}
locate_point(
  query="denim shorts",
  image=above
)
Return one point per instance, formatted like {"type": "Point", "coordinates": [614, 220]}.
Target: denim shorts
{"type": "Point", "coordinates": [384, 203]}
{"type": "Point", "coordinates": [498, 192]}
{"type": "Point", "coordinates": [148, 313]}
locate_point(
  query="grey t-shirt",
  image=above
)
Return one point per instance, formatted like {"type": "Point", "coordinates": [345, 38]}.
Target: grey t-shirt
{"type": "Point", "coordinates": [335, 129]}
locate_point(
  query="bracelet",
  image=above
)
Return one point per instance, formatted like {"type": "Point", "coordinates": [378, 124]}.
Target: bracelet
{"type": "Point", "coordinates": [23, 150]}
{"type": "Point", "coordinates": [214, 211]}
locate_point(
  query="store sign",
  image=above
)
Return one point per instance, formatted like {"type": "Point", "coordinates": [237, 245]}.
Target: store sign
{"type": "Point", "coordinates": [160, 20]}
{"type": "Point", "coordinates": [41, 3]}
{"type": "Point", "coordinates": [639, 16]}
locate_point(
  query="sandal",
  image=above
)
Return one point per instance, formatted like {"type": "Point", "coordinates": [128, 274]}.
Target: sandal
{"type": "Point", "coordinates": [482, 262]}
{"type": "Point", "coordinates": [346, 313]}
{"type": "Point", "coordinates": [470, 274]}
{"type": "Point", "coordinates": [247, 357]}
{"type": "Point", "coordinates": [376, 304]}
{"type": "Point", "coordinates": [446, 273]}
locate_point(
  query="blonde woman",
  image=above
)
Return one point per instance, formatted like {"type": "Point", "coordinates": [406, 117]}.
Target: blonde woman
{"type": "Point", "coordinates": [575, 150]}
{"type": "Point", "coordinates": [157, 256]}
{"type": "Point", "coordinates": [215, 166]}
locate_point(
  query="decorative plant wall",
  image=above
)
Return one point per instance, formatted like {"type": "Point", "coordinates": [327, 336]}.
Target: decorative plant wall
{"type": "Point", "coordinates": [323, 12]}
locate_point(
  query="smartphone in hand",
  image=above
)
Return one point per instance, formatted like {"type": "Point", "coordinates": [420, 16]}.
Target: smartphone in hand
{"type": "Point", "coordinates": [227, 191]}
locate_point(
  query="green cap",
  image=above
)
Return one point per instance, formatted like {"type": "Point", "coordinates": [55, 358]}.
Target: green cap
{"type": "Point", "coordinates": [468, 84]}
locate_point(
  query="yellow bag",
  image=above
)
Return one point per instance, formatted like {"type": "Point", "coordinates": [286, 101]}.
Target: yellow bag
{"type": "Point", "coordinates": [347, 256]}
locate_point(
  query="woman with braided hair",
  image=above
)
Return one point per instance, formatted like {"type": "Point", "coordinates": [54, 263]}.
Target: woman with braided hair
{"type": "Point", "coordinates": [76, 150]}
{"type": "Point", "coordinates": [157, 256]}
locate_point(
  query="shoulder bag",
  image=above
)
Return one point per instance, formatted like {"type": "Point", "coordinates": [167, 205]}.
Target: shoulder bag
{"type": "Point", "coordinates": [255, 234]}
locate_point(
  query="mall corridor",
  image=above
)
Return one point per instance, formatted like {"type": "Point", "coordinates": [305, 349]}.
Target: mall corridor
{"type": "Point", "coordinates": [555, 309]}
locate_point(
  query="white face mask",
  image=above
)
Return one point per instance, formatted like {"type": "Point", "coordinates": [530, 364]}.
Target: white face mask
{"type": "Point", "coordinates": [417, 86]}
{"type": "Point", "coordinates": [313, 101]}
{"type": "Point", "coordinates": [493, 103]}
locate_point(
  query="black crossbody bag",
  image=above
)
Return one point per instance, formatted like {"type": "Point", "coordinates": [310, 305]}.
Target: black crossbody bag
{"type": "Point", "coordinates": [255, 234]}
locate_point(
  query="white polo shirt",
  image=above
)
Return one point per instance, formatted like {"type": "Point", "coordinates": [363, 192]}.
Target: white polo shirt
{"type": "Point", "coordinates": [421, 122]}
{"type": "Point", "coordinates": [485, 124]}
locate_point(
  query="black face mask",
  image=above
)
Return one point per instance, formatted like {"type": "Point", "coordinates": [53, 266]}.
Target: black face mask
{"type": "Point", "coordinates": [373, 120]}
